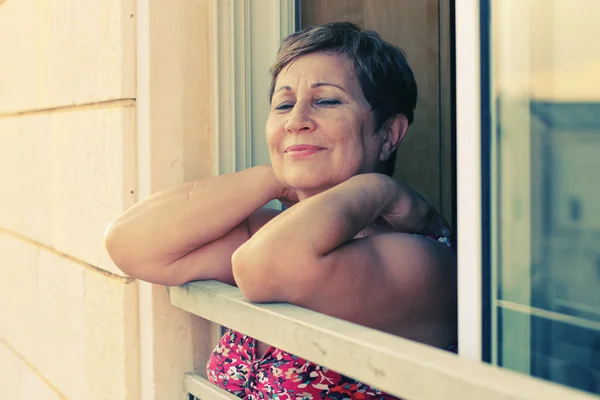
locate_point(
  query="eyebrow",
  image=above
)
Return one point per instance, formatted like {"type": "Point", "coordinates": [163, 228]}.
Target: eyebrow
{"type": "Point", "coordinates": [313, 86]}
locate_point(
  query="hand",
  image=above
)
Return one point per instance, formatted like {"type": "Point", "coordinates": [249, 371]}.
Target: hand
{"type": "Point", "coordinates": [412, 213]}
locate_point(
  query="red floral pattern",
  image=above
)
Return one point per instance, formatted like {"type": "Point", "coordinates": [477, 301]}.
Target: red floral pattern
{"type": "Point", "coordinates": [235, 367]}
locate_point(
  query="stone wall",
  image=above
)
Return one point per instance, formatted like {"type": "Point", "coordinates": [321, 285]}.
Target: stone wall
{"type": "Point", "coordinates": [69, 163]}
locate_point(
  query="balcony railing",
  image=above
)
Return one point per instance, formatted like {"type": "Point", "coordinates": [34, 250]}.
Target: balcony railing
{"type": "Point", "coordinates": [395, 365]}
{"type": "Point", "coordinates": [199, 388]}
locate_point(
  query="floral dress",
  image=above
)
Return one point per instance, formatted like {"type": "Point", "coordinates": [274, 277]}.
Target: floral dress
{"type": "Point", "coordinates": [235, 366]}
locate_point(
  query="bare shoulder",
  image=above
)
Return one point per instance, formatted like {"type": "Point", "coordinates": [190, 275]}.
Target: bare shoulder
{"type": "Point", "coordinates": [260, 218]}
{"type": "Point", "coordinates": [416, 259]}
{"type": "Point", "coordinates": [423, 282]}
{"type": "Point", "coordinates": [406, 285]}
{"type": "Point", "coordinates": [392, 244]}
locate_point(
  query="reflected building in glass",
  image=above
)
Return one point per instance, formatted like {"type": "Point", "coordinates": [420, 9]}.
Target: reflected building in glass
{"type": "Point", "coordinates": [544, 159]}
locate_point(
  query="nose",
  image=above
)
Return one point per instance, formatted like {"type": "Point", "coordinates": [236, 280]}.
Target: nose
{"type": "Point", "coordinates": [299, 119]}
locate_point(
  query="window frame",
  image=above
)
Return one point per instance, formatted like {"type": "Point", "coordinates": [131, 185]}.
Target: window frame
{"type": "Point", "coordinates": [469, 176]}
{"type": "Point", "coordinates": [246, 38]}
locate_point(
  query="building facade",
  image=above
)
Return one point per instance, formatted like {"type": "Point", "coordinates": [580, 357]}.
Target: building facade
{"type": "Point", "coordinates": [104, 103]}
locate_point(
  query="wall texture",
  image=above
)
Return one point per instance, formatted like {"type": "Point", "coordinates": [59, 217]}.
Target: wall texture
{"type": "Point", "coordinates": [69, 319]}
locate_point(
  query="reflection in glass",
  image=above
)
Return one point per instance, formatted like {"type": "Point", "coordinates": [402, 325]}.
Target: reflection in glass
{"type": "Point", "coordinates": [545, 199]}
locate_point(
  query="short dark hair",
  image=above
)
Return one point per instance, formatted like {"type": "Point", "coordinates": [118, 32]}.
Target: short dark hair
{"type": "Point", "coordinates": [385, 77]}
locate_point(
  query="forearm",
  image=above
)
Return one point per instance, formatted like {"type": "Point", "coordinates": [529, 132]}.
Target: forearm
{"type": "Point", "coordinates": [168, 225]}
{"type": "Point", "coordinates": [323, 222]}
{"type": "Point", "coordinates": [289, 249]}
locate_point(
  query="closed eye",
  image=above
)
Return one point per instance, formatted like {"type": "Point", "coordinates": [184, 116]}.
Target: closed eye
{"type": "Point", "coordinates": [328, 102]}
{"type": "Point", "coordinates": [321, 102]}
{"type": "Point", "coordinates": [284, 106]}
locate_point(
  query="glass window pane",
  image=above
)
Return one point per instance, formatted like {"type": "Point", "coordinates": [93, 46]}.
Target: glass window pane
{"type": "Point", "coordinates": [545, 188]}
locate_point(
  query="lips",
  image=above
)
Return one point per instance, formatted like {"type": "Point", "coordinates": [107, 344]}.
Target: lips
{"type": "Point", "coordinates": [300, 151]}
{"type": "Point", "coordinates": [302, 147]}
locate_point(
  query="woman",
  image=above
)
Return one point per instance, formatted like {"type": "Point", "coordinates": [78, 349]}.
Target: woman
{"type": "Point", "coordinates": [341, 103]}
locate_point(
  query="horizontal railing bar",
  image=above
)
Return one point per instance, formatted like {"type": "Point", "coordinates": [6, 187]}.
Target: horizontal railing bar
{"type": "Point", "coordinates": [574, 305]}
{"type": "Point", "coordinates": [202, 389]}
{"type": "Point", "coordinates": [395, 365]}
{"type": "Point", "coordinates": [550, 315]}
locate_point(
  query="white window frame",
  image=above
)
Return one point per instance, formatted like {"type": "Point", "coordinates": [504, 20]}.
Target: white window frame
{"type": "Point", "coordinates": [246, 36]}
{"type": "Point", "coordinates": [468, 178]}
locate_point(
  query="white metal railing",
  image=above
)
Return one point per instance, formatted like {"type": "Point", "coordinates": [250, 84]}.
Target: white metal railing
{"type": "Point", "coordinates": [200, 388]}
{"type": "Point", "coordinates": [395, 365]}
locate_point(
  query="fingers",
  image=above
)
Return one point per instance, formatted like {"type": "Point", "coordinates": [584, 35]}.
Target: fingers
{"type": "Point", "coordinates": [440, 227]}
{"type": "Point", "coordinates": [411, 212]}
{"type": "Point", "coordinates": [435, 225]}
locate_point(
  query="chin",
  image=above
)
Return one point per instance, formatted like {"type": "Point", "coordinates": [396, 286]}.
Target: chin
{"type": "Point", "coordinates": [307, 183]}
{"type": "Point", "coordinates": [305, 179]}
{"type": "Point", "coordinates": [312, 181]}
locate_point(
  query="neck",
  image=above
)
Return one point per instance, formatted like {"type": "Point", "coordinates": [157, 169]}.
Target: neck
{"type": "Point", "coordinates": [305, 194]}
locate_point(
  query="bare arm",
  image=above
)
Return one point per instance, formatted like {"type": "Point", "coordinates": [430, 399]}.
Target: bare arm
{"type": "Point", "coordinates": [396, 282]}
{"type": "Point", "coordinates": [308, 232]}
{"type": "Point", "coordinates": [189, 232]}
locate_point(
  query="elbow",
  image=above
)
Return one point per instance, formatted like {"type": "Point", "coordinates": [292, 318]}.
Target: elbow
{"type": "Point", "coordinates": [253, 275]}
{"type": "Point", "coordinates": [122, 252]}
{"type": "Point", "coordinates": [115, 247]}
{"type": "Point", "coordinates": [264, 277]}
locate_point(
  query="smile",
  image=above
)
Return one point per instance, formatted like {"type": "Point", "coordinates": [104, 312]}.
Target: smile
{"type": "Point", "coordinates": [302, 150]}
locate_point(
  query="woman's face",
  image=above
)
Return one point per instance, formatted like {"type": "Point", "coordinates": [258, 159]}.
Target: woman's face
{"type": "Point", "coordinates": [320, 130]}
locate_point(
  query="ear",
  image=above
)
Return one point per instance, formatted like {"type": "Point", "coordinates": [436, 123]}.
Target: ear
{"type": "Point", "coordinates": [394, 132]}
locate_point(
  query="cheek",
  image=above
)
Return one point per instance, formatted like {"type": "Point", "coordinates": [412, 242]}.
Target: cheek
{"type": "Point", "coordinates": [352, 137]}
{"type": "Point", "coordinates": [358, 144]}
{"type": "Point", "coordinates": [272, 134]}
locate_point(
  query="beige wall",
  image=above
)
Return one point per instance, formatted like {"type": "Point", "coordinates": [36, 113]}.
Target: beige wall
{"type": "Point", "coordinates": [69, 163]}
